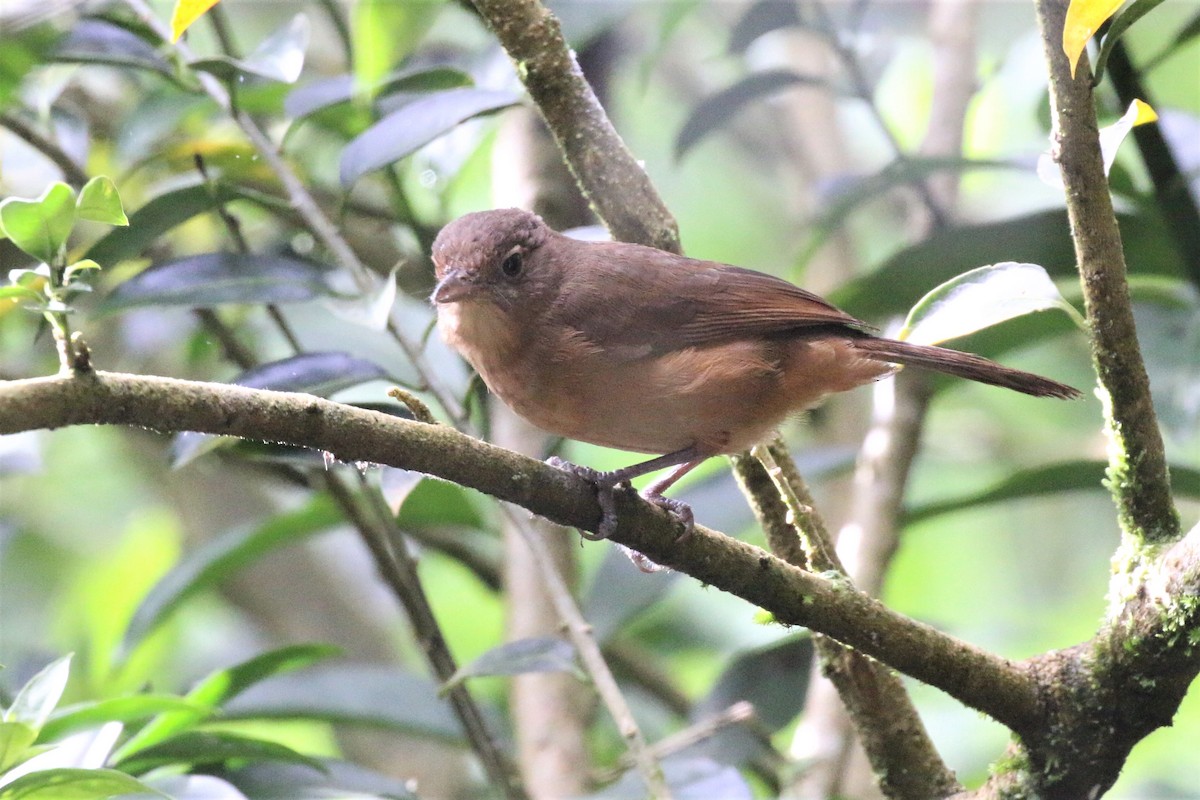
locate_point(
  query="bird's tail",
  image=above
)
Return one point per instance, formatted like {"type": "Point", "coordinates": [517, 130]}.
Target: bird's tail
{"type": "Point", "coordinates": [962, 365]}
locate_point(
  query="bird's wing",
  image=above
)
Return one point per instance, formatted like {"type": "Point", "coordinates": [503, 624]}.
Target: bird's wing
{"type": "Point", "coordinates": [668, 303]}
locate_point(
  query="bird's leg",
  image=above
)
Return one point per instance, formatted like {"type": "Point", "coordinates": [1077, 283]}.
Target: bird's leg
{"type": "Point", "coordinates": [607, 483]}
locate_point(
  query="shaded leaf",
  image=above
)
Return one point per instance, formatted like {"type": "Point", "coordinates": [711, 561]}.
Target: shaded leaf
{"type": "Point", "coordinates": [539, 654]}
{"type": "Point", "coordinates": [212, 748]}
{"type": "Point", "coordinates": [214, 561]}
{"type": "Point", "coordinates": [24, 49]}
{"type": "Point", "coordinates": [91, 714]}
{"type": "Point", "coordinates": [981, 298]}
{"type": "Point", "coordinates": [688, 778]}
{"type": "Point", "coordinates": [99, 202]}
{"type": "Point", "coordinates": [761, 18]}
{"type": "Point", "coordinates": [415, 124]}
{"type": "Point", "coordinates": [619, 592]}
{"type": "Point", "coordinates": [161, 215]}
{"type": "Point", "coordinates": [773, 678]}
{"type": "Point", "coordinates": [369, 694]}
{"type": "Point", "coordinates": [40, 226]}
{"type": "Point", "coordinates": [194, 787]}
{"type": "Point", "coordinates": [438, 502]}
{"type": "Point", "coordinates": [97, 41]}
{"type": "Point", "coordinates": [74, 784]}
{"type": "Point", "coordinates": [320, 374]}
{"type": "Point", "coordinates": [214, 279]}
{"type": "Point", "coordinates": [340, 779]}
{"type": "Point", "coordinates": [718, 110]}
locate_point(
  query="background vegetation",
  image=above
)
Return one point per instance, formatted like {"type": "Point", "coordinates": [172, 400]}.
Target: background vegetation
{"type": "Point", "coordinates": [869, 151]}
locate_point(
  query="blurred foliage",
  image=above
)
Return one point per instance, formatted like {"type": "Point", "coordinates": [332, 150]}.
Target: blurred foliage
{"type": "Point", "coordinates": [160, 563]}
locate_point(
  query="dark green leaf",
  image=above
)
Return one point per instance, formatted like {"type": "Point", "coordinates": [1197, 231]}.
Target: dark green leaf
{"type": "Point", "coordinates": [95, 713]}
{"type": "Point", "coordinates": [96, 41]}
{"type": "Point", "coordinates": [1066, 476]}
{"type": "Point", "coordinates": [438, 502]}
{"type": "Point", "coordinates": [619, 592]}
{"type": "Point", "coordinates": [720, 109]}
{"type": "Point", "coordinates": [288, 782]}
{"type": "Point", "coordinates": [418, 123]}
{"type": "Point", "coordinates": [1120, 23]}
{"type": "Point", "coordinates": [40, 227]}
{"type": "Point", "coordinates": [75, 784]}
{"type": "Point", "coordinates": [541, 654]}
{"type": "Point", "coordinates": [367, 694]}
{"type": "Point", "coordinates": [209, 749]}
{"type": "Point", "coordinates": [206, 566]}
{"type": "Point", "coordinates": [214, 279]}
{"type": "Point", "coordinates": [99, 202]}
{"type": "Point", "coordinates": [23, 50]}
{"type": "Point", "coordinates": [161, 215]}
{"type": "Point", "coordinates": [321, 374]}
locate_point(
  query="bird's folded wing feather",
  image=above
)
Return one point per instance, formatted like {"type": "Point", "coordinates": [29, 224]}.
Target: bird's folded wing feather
{"type": "Point", "coordinates": [686, 303]}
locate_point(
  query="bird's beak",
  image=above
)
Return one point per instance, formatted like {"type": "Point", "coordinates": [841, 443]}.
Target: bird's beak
{"type": "Point", "coordinates": [457, 284]}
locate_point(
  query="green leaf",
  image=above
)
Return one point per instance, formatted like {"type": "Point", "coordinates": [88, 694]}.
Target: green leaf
{"type": "Point", "coordinates": [365, 694]}
{"type": "Point", "coordinates": [22, 293]}
{"type": "Point", "coordinates": [23, 50]}
{"type": "Point", "coordinates": [75, 784]}
{"type": "Point", "coordinates": [415, 124]}
{"type": "Point", "coordinates": [1121, 22]}
{"type": "Point", "coordinates": [214, 279]}
{"type": "Point", "coordinates": [981, 298]}
{"type": "Point", "coordinates": [325, 93]}
{"type": "Point", "coordinates": [221, 686]}
{"type": "Point", "coordinates": [15, 740]}
{"type": "Point", "coordinates": [539, 654]}
{"type": "Point", "coordinates": [97, 41]}
{"type": "Point", "coordinates": [40, 227]}
{"type": "Point", "coordinates": [384, 32]}
{"type": "Point", "coordinates": [211, 749]}
{"type": "Point", "coordinates": [164, 213]}
{"type": "Point", "coordinates": [100, 202]}
{"type": "Point", "coordinates": [94, 713]}
{"type": "Point", "coordinates": [213, 562]}
{"type": "Point", "coordinates": [38, 697]}
{"type": "Point", "coordinates": [280, 57]}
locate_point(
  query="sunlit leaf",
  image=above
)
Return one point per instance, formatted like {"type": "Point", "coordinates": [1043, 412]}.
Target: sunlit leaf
{"type": "Point", "coordinates": [15, 740]}
{"type": "Point", "coordinates": [75, 784]}
{"type": "Point", "coordinates": [981, 298]}
{"type": "Point", "coordinates": [40, 694]}
{"type": "Point", "coordinates": [40, 227]}
{"type": "Point", "coordinates": [541, 654]}
{"type": "Point", "coordinates": [280, 57]}
{"type": "Point", "coordinates": [418, 123]}
{"type": "Point", "coordinates": [99, 202]}
{"type": "Point", "coordinates": [1084, 18]}
{"type": "Point", "coordinates": [214, 279]}
{"type": "Point", "coordinates": [20, 293]}
{"type": "Point", "coordinates": [1129, 15]}
{"type": "Point", "coordinates": [1111, 137]}
{"type": "Point", "coordinates": [384, 32]}
{"type": "Point", "coordinates": [81, 716]}
{"type": "Point", "coordinates": [186, 12]}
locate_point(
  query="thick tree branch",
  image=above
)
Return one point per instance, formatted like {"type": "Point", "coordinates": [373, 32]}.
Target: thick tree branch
{"type": "Point", "coordinates": [980, 680]}
{"type": "Point", "coordinates": [1137, 472]}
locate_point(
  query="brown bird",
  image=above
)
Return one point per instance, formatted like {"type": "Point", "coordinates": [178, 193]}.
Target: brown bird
{"type": "Point", "coordinates": [639, 349]}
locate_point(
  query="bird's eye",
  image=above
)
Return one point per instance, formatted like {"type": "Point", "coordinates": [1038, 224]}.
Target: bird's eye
{"type": "Point", "coordinates": [511, 265]}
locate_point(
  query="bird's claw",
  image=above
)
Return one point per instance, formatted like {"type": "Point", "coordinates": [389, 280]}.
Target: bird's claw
{"type": "Point", "coordinates": [607, 484]}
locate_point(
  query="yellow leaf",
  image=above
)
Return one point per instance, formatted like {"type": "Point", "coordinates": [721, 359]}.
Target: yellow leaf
{"type": "Point", "coordinates": [186, 12]}
{"type": "Point", "coordinates": [1084, 18]}
{"type": "Point", "coordinates": [1144, 113]}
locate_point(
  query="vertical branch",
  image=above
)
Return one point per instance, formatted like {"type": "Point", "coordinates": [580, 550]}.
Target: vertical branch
{"type": "Point", "coordinates": [1137, 467]}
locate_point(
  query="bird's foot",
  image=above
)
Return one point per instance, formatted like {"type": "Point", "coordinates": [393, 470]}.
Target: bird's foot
{"type": "Point", "coordinates": [607, 484]}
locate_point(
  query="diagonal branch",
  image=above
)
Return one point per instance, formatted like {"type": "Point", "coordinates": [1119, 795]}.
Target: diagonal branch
{"type": "Point", "coordinates": [979, 679]}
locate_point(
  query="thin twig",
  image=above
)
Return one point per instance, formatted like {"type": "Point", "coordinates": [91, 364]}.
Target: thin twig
{"type": "Point", "coordinates": [72, 172]}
